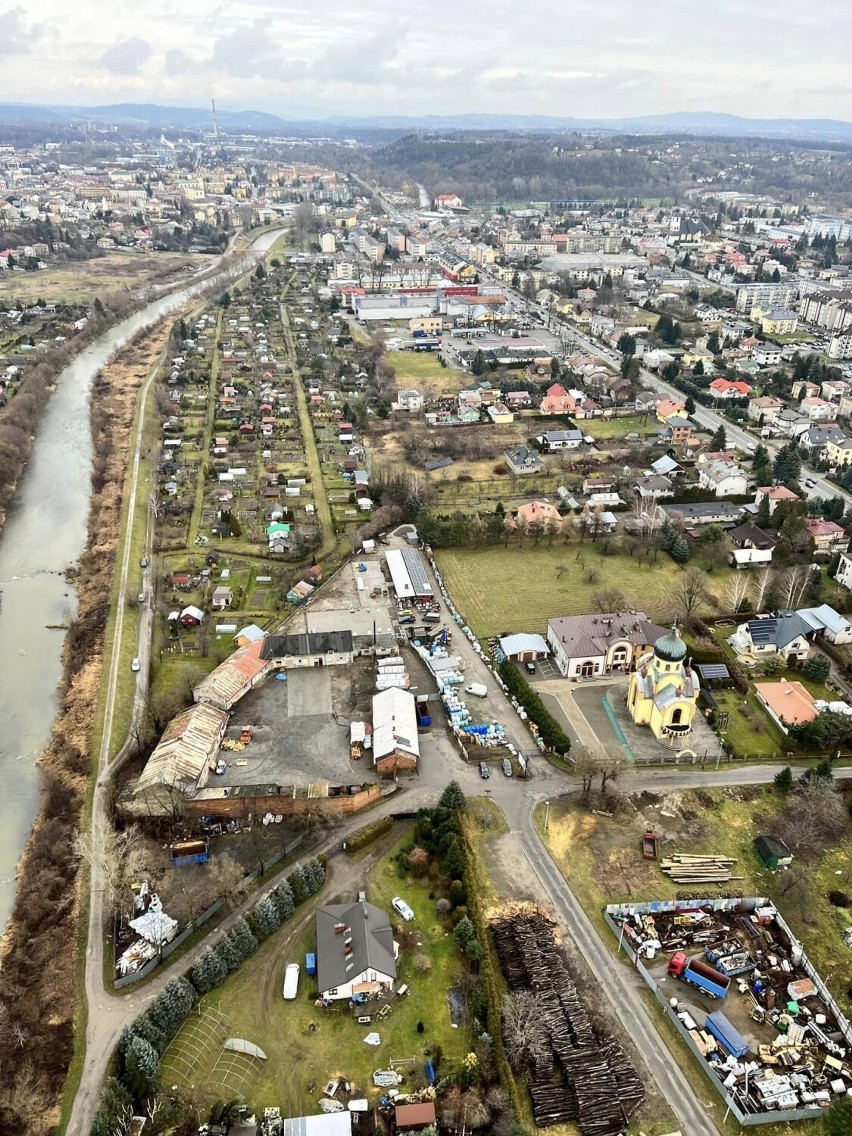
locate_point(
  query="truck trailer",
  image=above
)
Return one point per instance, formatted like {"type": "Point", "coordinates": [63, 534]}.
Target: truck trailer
{"type": "Point", "coordinates": [731, 963]}
{"type": "Point", "coordinates": [697, 973]}
{"type": "Point", "coordinates": [731, 1040]}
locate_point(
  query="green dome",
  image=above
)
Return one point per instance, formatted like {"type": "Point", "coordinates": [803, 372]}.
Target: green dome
{"type": "Point", "coordinates": [670, 647]}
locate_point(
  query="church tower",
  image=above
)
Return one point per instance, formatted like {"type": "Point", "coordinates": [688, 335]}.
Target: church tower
{"type": "Point", "coordinates": [663, 691]}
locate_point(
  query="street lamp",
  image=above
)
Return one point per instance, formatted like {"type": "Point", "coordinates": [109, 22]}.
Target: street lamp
{"type": "Point", "coordinates": [546, 815]}
{"type": "Point", "coordinates": [719, 756]}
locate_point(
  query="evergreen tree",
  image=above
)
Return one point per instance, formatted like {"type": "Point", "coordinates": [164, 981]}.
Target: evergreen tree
{"type": "Point", "coordinates": [784, 779]}
{"type": "Point", "coordinates": [316, 875]}
{"type": "Point", "coordinates": [201, 975]}
{"type": "Point", "coordinates": [761, 467]}
{"type": "Point", "coordinates": [296, 880]}
{"type": "Point", "coordinates": [719, 440]}
{"type": "Point", "coordinates": [114, 1104]}
{"type": "Point", "coordinates": [698, 370]}
{"type": "Point", "coordinates": [216, 967]}
{"type": "Point", "coordinates": [228, 953]}
{"type": "Point", "coordinates": [141, 1066]}
{"type": "Point", "coordinates": [679, 550]}
{"type": "Point", "coordinates": [243, 939]}
{"type": "Point", "coordinates": [689, 404]}
{"type": "Point", "coordinates": [282, 897]}
{"type": "Point", "coordinates": [145, 1028]}
{"type": "Point", "coordinates": [787, 465]}
{"type": "Point", "coordinates": [264, 918]}
{"type": "Point", "coordinates": [453, 798]}
{"type": "Point", "coordinates": [478, 365]}
{"type": "Point", "coordinates": [464, 932]}
{"type": "Point", "coordinates": [817, 669]}
{"type": "Point", "coordinates": [713, 344]}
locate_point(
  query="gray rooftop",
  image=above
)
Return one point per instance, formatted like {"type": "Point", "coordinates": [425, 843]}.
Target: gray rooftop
{"type": "Point", "coordinates": [365, 929]}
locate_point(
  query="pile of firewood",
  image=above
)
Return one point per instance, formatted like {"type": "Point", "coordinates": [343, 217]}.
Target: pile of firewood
{"type": "Point", "coordinates": [685, 869]}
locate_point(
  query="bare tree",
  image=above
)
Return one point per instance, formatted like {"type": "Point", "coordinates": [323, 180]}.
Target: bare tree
{"type": "Point", "coordinates": [689, 593]}
{"type": "Point", "coordinates": [813, 817]}
{"type": "Point", "coordinates": [736, 590]}
{"type": "Point", "coordinates": [646, 520]}
{"type": "Point", "coordinates": [763, 582]}
{"type": "Point", "coordinates": [227, 877]}
{"type": "Point", "coordinates": [610, 769]}
{"type": "Point", "coordinates": [524, 1031]}
{"type": "Point", "coordinates": [588, 764]}
{"type": "Point", "coordinates": [794, 581]}
{"type": "Point", "coordinates": [119, 860]}
{"type": "Point", "coordinates": [608, 599]}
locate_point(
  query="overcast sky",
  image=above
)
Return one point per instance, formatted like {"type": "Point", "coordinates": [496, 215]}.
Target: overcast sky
{"type": "Point", "coordinates": [585, 58]}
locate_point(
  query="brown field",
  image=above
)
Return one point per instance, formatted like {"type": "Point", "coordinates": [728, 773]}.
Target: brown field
{"type": "Point", "coordinates": [77, 281]}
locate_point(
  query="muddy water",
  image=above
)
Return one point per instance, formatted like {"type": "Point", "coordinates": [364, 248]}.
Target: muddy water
{"type": "Point", "coordinates": [45, 532]}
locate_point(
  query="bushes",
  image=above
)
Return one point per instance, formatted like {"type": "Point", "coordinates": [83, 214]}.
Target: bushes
{"type": "Point", "coordinates": [552, 734]}
{"type": "Point", "coordinates": [368, 834]}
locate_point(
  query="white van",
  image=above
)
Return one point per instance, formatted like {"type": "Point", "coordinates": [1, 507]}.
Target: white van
{"type": "Point", "coordinates": [479, 689]}
{"type": "Point", "coordinates": [291, 981]}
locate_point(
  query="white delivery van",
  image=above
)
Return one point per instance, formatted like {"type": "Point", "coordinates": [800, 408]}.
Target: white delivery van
{"type": "Point", "coordinates": [291, 981]}
{"type": "Point", "coordinates": [479, 689]}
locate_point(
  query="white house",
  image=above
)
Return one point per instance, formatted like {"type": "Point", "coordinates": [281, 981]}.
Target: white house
{"type": "Point", "coordinates": [587, 645]}
{"type": "Point", "coordinates": [844, 571]}
{"type": "Point", "coordinates": [356, 952]}
{"type": "Point", "coordinates": [724, 478]}
{"type": "Point", "coordinates": [410, 400]}
{"type": "Point", "coordinates": [783, 634]}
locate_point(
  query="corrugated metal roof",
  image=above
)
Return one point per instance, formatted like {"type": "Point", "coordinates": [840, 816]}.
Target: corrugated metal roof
{"type": "Point", "coordinates": [516, 644]}
{"type": "Point", "coordinates": [188, 743]}
{"type": "Point", "coordinates": [394, 723]}
{"type": "Point", "coordinates": [227, 682]}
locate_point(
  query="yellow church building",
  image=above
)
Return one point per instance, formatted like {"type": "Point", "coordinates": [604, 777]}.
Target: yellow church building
{"type": "Point", "coordinates": [663, 691]}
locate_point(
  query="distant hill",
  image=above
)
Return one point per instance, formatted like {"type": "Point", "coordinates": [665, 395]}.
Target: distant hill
{"type": "Point", "coordinates": [700, 123]}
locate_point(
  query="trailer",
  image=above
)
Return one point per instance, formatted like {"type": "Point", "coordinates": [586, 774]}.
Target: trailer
{"type": "Point", "coordinates": [310, 964]}
{"type": "Point", "coordinates": [731, 963]}
{"type": "Point", "coordinates": [185, 852]}
{"type": "Point", "coordinates": [424, 718]}
{"type": "Point", "coordinates": [726, 1034]}
{"type": "Point", "coordinates": [649, 845]}
{"type": "Point", "coordinates": [699, 974]}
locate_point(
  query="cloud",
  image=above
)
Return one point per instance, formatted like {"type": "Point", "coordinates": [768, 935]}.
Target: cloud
{"type": "Point", "coordinates": [15, 37]}
{"type": "Point", "coordinates": [126, 56]}
{"type": "Point", "coordinates": [246, 52]}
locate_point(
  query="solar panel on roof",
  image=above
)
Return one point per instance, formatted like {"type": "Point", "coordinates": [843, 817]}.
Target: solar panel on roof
{"type": "Point", "coordinates": [416, 572]}
{"type": "Point", "coordinates": [763, 630]}
{"type": "Point", "coordinates": [713, 670]}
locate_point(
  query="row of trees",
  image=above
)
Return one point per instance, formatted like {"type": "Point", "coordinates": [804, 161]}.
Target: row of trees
{"type": "Point", "coordinates": [143, 1043]}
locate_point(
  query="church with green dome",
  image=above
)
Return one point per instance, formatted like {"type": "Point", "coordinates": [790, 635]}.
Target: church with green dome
{"type": "Point", "coordinates": [663, 691]}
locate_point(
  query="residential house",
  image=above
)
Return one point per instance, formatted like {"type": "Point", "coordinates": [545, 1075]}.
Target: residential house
{"type": "Point", "coordinates": [828, 536]}
{"type": "Point", "coordinates": [356, 952]}
{"type": "Point", "coordinates": [667, 466]}
{"type": "Point", "coordinates": [813, 441]}
{"type": "Point", "coordinates": [724, 390]}
{"type": "Point", "coordinates": [222, 598]}
{"type": "Point", "coordinates": [586, 645]}
{"type": "Point", "coordinates": [787, 703]}
{"type": "Point", "coordinates": [767, 355]}
{"type": "Point", "coordinates": [788, 421]}
{"type": "Point", "coordinates": [191, 616]}
{"type": "Point", "coordinates": [410, 400]}
{"type": "Point", "coordinates": [681, 430]}
{"type": "Point", "coordinates": [775, 494]}
{"type": "Point", "coordinates": [557, 400]}
{"type": "Point", "coordinates": [539, 513]}
{"type": "Point", "coordinates": [704, 513]}
{"type": "Point", "coordinates": [779, 321]}
{"type": "Point", "coordinates": [522, 461]}
{"type": "Point", "coordinates": [654, 487]}
{"type": "Point", "coordinates": [838, 454]}
{"type": "Point", "coordinates": [752, 546]}
{"type": "Point", "coordinates": [817, 409]}
{"type": "Point", "coordinates": [843, 575]}
{"type": "Point", "coordinates": [725, 479]}
{"type": "Point", "coordinates": [828, 624]}
{"type": "Point", "coordinates": [667, 409]}
{"type": "Point", "coordinates": [553, 440]}
{"type": "Point", "coordinates": [500, 414]}
{"type": "Point", "coordinates": [783, 634]}
{"type": "Point", "coordinates": [763, 410]}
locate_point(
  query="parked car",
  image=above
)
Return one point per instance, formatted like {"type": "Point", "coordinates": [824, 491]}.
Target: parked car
{"type": "Point", "coordinates": [507, 767]}
{"type": "Point", "coordinates": [484, 771]}
{"type": "Point", "coordinates": [140, 598]}
{"type": "Point", "coordinates": [143, 563]}
{"type": "Point", "coordinates": [401, 908]}
{"type": "Point", "coordinates": [529, 668]}
{"type": "Point", "coordinates": [809, 481]}
{"type": "Point", "coordinates": [135, 665]}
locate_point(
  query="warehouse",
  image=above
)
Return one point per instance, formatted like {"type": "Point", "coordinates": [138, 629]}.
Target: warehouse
{"type": "Point", "coordinates": [233, 678]}
{"type": "Point", "coordinates": [408, 573]}
{"type": "Point", "coordinates": [396, 745]}
{"type": "Point", "coordinates": [181, 760]}
{"type": "Point", "coordinates": [314, 649]}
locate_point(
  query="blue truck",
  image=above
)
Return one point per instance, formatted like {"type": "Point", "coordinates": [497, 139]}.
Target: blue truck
{"type": "Point", "coordinates": [697, 973]}
{"type": "Point", "coordinates": [731, 1040]}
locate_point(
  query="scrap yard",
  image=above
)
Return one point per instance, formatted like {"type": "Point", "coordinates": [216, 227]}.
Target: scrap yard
{"type": "Point", "coordinates": [744, 997]}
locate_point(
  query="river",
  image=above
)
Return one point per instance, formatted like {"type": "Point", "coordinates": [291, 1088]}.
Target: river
{"type": "Point", "coordinates": [45, 533]}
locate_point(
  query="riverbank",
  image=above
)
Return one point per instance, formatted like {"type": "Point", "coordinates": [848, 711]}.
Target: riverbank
{"type": "Point", "coordinates": [39, 958]}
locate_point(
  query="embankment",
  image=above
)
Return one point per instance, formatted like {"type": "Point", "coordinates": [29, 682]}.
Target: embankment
{"type": "Point", "coordinates": [37, 994]}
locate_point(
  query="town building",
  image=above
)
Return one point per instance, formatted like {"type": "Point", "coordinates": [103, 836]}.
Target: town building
{"type": "Point", "coordinates": [663, 690]}
{"type": "Point", "coordinates": [356, 952]}
{"type": "Point", "coordinates": [396, 745]}
{"type": "Point", "coordinates": [587, 645]}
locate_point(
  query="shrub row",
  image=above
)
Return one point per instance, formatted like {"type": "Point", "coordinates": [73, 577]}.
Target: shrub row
{"type": "Point", "coordinates": [552, 734]}
{"type": "Point", "coordinates": [368, 834]}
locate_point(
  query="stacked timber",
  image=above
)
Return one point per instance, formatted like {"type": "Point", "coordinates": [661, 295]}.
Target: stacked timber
{"type": "Point", "coordinates": [686, 869]}
{"type": "Point", "coordinates": [581, 1077]}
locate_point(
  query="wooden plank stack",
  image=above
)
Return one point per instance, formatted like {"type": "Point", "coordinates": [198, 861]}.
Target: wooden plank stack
{"type": "Point", "coordinates": [583, 1077]}
{"type": "Point", "coordinates": [686, 869]}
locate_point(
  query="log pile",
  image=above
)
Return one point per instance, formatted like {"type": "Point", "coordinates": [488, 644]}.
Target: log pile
{"type": "Point", "coordinates": [686, 869]}
{"type": "Point", "coordinates": [582, 1077]}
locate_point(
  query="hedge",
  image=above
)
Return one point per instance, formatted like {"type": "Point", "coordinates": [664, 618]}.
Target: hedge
{"type": "Point", "coordinates": [553, 736]}
{"type": "Point", "coordinates": [368, 834]}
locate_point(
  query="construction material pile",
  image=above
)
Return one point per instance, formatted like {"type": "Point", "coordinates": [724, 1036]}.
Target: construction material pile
{"type": "Point", "coordinates": [685, 869]}
{"type": "Point", "coordinates": [582, 1077]}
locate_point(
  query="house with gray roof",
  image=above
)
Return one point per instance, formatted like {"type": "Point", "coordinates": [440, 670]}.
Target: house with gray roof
{"type": "Point", "coordinates": [783, 634]}
{"type": "Point", "coordinates": [553, 440]}
{"type": "Point", "coordinates": [586, 645]}
{"type": "Point", "coordinates": [522, 460]}
{"type": "Point", "coordinates": [356, 953]}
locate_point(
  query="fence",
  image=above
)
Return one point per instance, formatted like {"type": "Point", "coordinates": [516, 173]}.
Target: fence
{"type": "Point", "coordinates": [747, 1119]}
{"type": "Point", "coordinates": [199, 921]}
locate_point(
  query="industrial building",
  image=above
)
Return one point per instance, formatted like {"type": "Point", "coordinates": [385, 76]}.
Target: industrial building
{"type": "Point", "coordinates": [395, 742]}
{"type": "Point", "coordinates": [181, 760]}
{"type": "Point", "coordinates": [408, 574]}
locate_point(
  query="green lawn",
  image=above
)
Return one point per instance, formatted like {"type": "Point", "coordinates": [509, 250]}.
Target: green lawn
{"type": "Point", "coordinates": [750, 730]}
{"type": "Point", "coordinates": [306, 1045]}
{"type": "Point", "coordinates": [519, 589]}
{"type": "Point", "coordinates": [617, 427]}
{"type": "Point", "coordinates": [423, 366]}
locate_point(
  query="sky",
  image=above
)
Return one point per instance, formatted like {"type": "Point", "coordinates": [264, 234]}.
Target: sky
{"type": "Point", "coordinates": [579, 58]}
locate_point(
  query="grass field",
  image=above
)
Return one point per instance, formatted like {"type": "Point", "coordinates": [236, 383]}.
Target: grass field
{"type": "Point", "coordinates": [602, 860]}
{"type": "Point", "coordinates": [519, 589]}
{"type": "Point", "coordinates": [602, 428]}
{"type": "Point", "coordinates": [80, 280]}
{"type": "Point", "coordinates": [424, 368]}
{"type": "Point", "coordinates": [307, 1045]}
